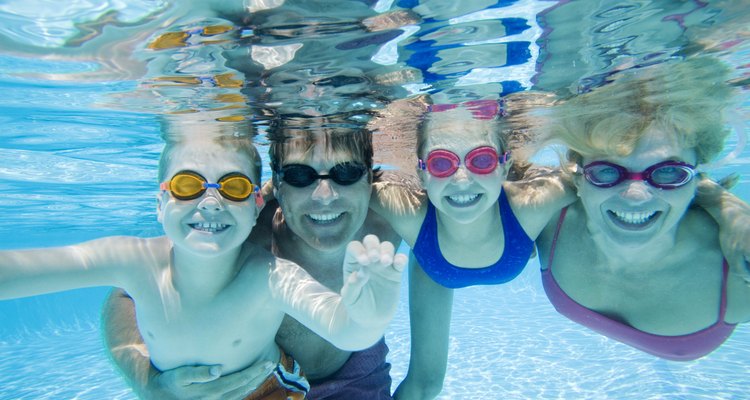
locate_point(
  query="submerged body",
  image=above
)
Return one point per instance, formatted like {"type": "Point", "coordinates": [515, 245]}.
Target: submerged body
{"type": "Point", "coordinates": [633, 259]}
{"type": "Point", "coordinates": [203, 294]}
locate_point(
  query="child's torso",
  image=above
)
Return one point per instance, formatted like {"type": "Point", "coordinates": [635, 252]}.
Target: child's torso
{"type": "Point", "coordinates": [235, 328]}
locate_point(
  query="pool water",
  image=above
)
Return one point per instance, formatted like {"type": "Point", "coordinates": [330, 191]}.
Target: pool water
{"type": "Point", "coordinates": [80, 142]}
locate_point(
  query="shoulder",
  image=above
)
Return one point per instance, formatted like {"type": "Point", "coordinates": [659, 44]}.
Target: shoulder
{"type": "Point", "coordinates": [699, 225]}
{"type": "Point", "coordinates": [541, 186]}
{"type": "Point", "coordinates": [535, 201]}
{"type": "Point", "coordinates": [399, 192]}
{"type": "Point", "coordinates": [401, 202]}
{"type": "Point", "coordinates": [379, 226]}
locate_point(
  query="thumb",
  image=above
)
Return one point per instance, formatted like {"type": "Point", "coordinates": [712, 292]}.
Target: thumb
{"type": "Point", "coordinates": [352, 289]}
{"type": "Point", "coordinates": [185, 376]}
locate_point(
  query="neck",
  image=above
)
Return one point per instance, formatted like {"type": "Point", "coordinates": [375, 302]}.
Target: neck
{"type": "Point", "coordinates": [200, 276]}
{"type": "Point", "coordinates": [484, 226]}
{"type": "Point", "coordinates": [617, 255]}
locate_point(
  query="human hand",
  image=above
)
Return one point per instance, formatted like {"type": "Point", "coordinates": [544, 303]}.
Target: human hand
{"type": "Point", "coordinates": [372, 280]}
{"type": "Point", "coordinates": [735, 246]}
{"type": "Point", "coordinates": [733, 217]}
{"type": "Point", "coordinates": [206, 382]}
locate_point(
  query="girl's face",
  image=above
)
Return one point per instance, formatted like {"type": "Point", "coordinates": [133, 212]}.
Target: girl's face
{"type": "Point", "coordinates": [633, 213]}
{"type": "Point", "coordinates": [209, 224]}
{"type": "Point", "coordinates": [463, 196]}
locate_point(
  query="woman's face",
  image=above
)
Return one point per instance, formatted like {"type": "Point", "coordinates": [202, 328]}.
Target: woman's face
{"type": "Point", "coordinates": [633, 213]}
{"type": "Point", "coordinates": [465, 195]}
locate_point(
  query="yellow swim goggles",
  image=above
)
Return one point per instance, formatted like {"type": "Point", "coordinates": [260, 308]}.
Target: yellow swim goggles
{"type": "Point", "coordinates": [190, 185]}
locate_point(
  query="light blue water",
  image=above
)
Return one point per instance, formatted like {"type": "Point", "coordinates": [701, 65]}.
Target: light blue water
{"type": "Point", "coordinates": [80, 140]}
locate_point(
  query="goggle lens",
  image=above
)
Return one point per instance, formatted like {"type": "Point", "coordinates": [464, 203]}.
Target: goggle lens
{"type": "Point", "coordinates": [300, 175]}
{"type": "Point", "coordinates": [236, 187]}
{"type": "Point", "coordinates": [442, 163]}
{"type": "Point", "coordinates": [671, 175]}
{"type": "Point", "coordinates": [482, 160]}
{"type": "Point", "coordinates": [186, 186]}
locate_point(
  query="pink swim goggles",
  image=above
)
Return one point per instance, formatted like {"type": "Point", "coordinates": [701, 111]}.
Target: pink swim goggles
{"type": "Point", "coordinates": [665, 175]}
{"type": "Point", "coordinates": [444, 163]}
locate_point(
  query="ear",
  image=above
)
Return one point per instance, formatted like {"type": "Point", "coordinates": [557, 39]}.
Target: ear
{"type": "Point", "coordinates": [578, 180]}
{"type": "Point", "coordinates": [160, 201]}
{"type": "Point", "coordinates": [506, 168]}
{"type": "Point", "coordinates": [421, 172]}
{"type": "Point", "coordinates": [259, 202]}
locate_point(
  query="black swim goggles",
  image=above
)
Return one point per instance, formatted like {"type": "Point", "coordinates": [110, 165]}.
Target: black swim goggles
{"type": "Point", "coordinates": [301, 175]}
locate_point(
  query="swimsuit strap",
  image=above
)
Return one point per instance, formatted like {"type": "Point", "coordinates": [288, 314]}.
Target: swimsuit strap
{"type": "Point", "coordinates": [724, 279]}
{"type": "Point", "coordinates": [554, 239]}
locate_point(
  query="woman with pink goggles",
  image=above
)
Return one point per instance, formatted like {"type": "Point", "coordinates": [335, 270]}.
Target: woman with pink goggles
{"type": "Point", "coordinates": [633, 259]}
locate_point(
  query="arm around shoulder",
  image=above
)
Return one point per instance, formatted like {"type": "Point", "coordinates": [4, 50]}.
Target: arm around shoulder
{"type": "Point", "coordinates": [400, 199]}
{"type": "Point", "coordinates": [537, 198]}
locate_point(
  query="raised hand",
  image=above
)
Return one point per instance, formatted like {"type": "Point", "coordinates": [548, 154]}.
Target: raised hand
{"type": "Point", "coordinates": [372, 280]}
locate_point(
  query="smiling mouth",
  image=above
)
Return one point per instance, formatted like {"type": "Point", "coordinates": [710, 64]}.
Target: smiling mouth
{"type": "Point", "coordinates": [209, 227]}
{"type": "Point", "coordinates": [633, 220]}
{"type": "Point", "coordinates": [324, 219]}
{"type": "Point", "coordinates": [463, 200]}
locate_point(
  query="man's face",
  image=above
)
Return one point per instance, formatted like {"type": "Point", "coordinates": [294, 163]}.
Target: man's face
{"type": "Point", "coordinates": [325, 214]}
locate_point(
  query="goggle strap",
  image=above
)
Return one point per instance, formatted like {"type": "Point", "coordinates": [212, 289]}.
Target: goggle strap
{"type": "Point", "coordinates": [504, 158]}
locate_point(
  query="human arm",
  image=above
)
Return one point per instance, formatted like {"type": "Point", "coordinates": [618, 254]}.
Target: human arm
{"type": "Point", "coordinates": [399, 199]}
{"type": "Point", "coordinates": [129, 354]}
{"type": "Point", "coordinates": [430, 309]}
{"type": "Point", "coordinates": [539, 196]}
{"type": "Point", "coordinates": [356, 318]}
{"type": "Point", "coordinates": [733, 217]}
{"type": "Point", "coordinates": [107, 261]}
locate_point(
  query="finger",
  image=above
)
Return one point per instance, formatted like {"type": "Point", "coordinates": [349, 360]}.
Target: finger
{"type": "Point", "coordinates": [356, 255]}
{"type": "Point", "coordinates": [372, 244]}
{"type": "Point", "coordinates": [394, 271]}
{"type": "Point", "coordinates": [387, 252]}
{"type": "Point", "coordinates": [184, 376]}
{"type": "Point", "coordinates": [400, 261]}
{"type": "Point", "coordinates": [240, 384]}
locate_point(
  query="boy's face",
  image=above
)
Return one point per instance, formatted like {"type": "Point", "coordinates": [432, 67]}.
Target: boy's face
{"type": "Point", "coordinates": [209, 224]}
{"type": "Point", "coordinates": [325, 214]}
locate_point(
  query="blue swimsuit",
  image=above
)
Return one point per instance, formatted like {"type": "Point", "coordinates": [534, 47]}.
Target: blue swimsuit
{"type": "Point", "coordinates": [518, 248]}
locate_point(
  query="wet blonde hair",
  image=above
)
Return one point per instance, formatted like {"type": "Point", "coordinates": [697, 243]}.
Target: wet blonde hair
{"type": "Point", "coordinates": [685, 99]}
{"type": "Point", "coordinates": [228, 136]}
{"type": "Point", "coordinates": [456, 112]}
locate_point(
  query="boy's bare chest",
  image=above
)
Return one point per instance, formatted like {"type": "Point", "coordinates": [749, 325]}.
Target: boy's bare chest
{"type": "Point", "coordinates": [233, 330]}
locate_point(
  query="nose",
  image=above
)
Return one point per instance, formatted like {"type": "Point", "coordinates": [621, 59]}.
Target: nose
{"type": "Point", "coordinates": [211, 202]}
{"type": "Point", "coordinates": [637, 191]}
{"type": "Point", "coordinates": [462, 175]}
{"type": "Point", "coordinates": [324, 192]}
